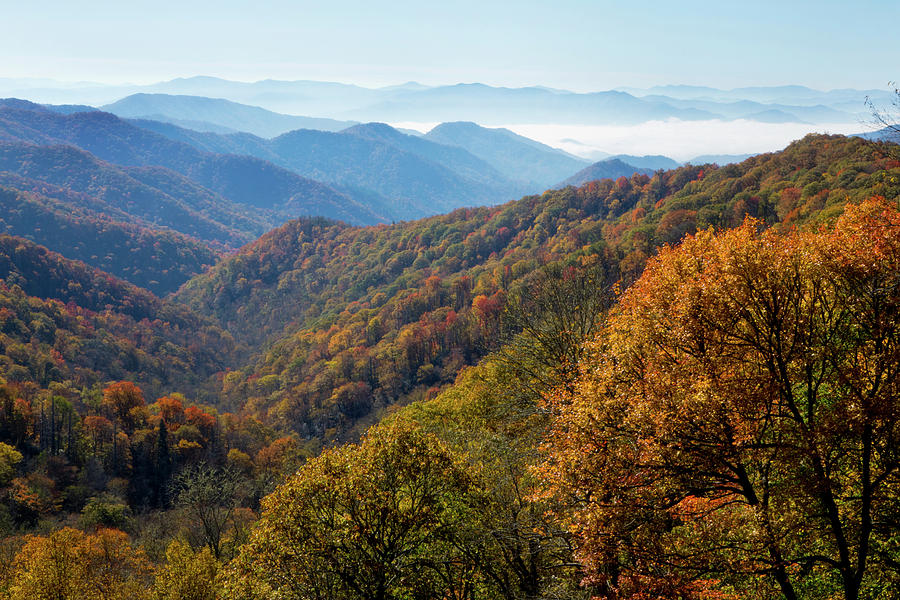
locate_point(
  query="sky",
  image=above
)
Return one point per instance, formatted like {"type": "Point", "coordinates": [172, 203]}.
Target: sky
{"type": "Point", "coordinates": [581, 45]}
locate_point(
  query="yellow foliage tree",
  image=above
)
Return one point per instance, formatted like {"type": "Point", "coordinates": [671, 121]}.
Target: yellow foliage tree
{"type": "Point", "coordinates": [69, 564]}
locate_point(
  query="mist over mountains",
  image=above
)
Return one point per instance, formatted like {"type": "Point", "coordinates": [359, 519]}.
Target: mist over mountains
{"type": "Point", "coordinates": [201, 166]}
{"type": "Point", "coordinates": [485, 104]}
{"type": "Point", "coordinates": [287, 284]}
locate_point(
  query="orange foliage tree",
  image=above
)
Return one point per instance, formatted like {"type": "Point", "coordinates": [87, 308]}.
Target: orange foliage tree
{"type": "Point", "coordinates": [74, 565]}
{"type": "Point", "coordinates": [121, 398]}
{"type": "Point", "coordinates": [738, 426]}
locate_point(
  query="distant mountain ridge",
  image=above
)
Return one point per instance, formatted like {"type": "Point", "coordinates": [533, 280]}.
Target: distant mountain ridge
{"type": "Point", "coordinates": [241, 179]}
{"type": "Point", "coordinates": [152, 196]}
{"type": "Point", "coordinates": [655, 161]}
{"type": "Point", "coordinates": [216, 115]}
{"type": "Point", "coordinates": [488, 105]}
{"type": "Point", "coordinates": [719, 159]}
{"type": "Point", "coordinates": [372, 172]}
{"type": "Point", "coordinates": [403, 176]}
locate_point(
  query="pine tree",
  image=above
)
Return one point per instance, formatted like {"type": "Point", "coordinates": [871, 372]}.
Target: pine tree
{"type": "Point", "coordinates": [163, 466]}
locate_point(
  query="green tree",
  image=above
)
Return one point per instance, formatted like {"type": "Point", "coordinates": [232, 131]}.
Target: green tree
{"type": "Point", "coordinates": [187, 575]}
{"type": "Point", "coordinates": [376, 521]}
{"type": "Point", "coordinates": [9, 461]}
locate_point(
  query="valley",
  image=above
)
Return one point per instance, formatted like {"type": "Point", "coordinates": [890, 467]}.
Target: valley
{"type": "Point", "coordinates": [473, 339]}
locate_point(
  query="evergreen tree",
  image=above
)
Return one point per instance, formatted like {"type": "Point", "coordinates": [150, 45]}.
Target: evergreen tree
{"type": "Point", "coordinates": [163, 466]}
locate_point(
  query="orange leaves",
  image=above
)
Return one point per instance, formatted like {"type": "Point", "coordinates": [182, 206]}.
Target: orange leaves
{"type": "Point", "coordinates": [200, 419]}
{"type": "Point", "coordinates": [171, 410]}
{"type": "Point", "coordinates": [77, 566]}
{"type": "Point", "coordinates": [120, 398]}
{"type": "Point", "coordinates": [488, 307]}
{"type": "Point", "coordinates": [744, 384]}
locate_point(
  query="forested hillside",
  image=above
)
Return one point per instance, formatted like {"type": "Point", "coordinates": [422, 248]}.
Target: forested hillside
{"type": "Point", "coordinates": [431, 374]}
{"type": "Point", "coordinates": [689, 458]}
{"type": "Point", "coordinates": [358, 319]}
{"type": "Point", "coordinates": [74, 176]}
{"type": "Point", "coordinates": [240, 179]}
{"type": "Point", "coordinates": [68, 323]}
{"type": "Point", "coordinates": [159, 261]}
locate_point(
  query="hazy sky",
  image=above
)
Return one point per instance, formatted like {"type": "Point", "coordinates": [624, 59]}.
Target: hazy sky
{"type": "Point", "coordinates": [575, 44]}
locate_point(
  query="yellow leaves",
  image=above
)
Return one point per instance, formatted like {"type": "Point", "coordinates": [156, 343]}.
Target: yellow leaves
{"type": "Point", "coordinates": [187, 575]}
{"type": "Point", "coordinates": [357, 515]}
{"type": "Point", "coordinates": [73, 565]}
{"type": "Point", "coordinates": [9, 460]}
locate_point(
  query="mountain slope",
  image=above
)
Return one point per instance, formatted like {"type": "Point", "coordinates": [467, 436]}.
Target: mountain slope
{"type": "Point", "coordinates": [356, 320]}
{"type": "Point", "coordinates": [654, 161]}
{"type": "Point", "coordinates": [242, 179]}
{"type": "Point", "coordinates": [610, 168]}
{"type": "Point", "coordinates": [183, 110]}
{"type": "Point", "coordinates": [61, 321]}
{"type": "Point", "coordinates": [159, 261]}
{"type": "Point", "coordinates": [401, 175]}
{"type": "Point", "coordinates": [515, 156]}
{"type": "Point", "coordinates": [453, 157]}
{"type": "Point", "coordinates": [409, 179]}
{"type": "Point", "coordinates": [151, 195]}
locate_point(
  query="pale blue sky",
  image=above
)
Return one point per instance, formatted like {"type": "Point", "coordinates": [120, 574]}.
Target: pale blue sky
{"type": "Point", "coordinates": [575, 44]}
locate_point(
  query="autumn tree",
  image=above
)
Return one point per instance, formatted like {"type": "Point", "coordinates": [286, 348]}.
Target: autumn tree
{"type": "Point", "coordinates": [547, 319]}
{"type": "Point", "coordinates": [515, 542]}
{"type": "Point", "coordinates": [73, 565]}
{"type": "Point", "coordinates": [738, 426]}
{"type": "Point", "coordinates": [372, 521]}
{"type": "Point", "coordinates": [124, 400]}
{"type": "Point", "coordinates": [9, 461]}
{"type": "Point", "coordinates": [187, 575]}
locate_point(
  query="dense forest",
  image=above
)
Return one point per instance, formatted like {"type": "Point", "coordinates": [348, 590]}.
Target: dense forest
{"type": "Point", "coordinates": [359, 319]}
{"type": "Point", "coordinates": [670, 385]}
{"type": "Point", "coordinates": [154, 259]}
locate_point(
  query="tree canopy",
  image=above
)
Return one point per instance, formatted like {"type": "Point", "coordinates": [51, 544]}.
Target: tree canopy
{"type": "Point", "coordinates": [738, 418]}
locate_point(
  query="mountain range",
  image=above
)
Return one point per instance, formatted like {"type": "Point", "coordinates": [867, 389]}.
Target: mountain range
{"type": "Point", "coordinates": [146, 191]}
{"type": "Point", "coordinates": [71, 173]}
{"type": "Point", "coordinates": [216, 115]}
{"type": "Point", "coordinates": [487, 105]}
{"type": "Point", "coordinates": [261, 357]}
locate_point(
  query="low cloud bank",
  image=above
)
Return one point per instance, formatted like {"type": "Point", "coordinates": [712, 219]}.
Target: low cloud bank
{"type": "Point", "coordinates": [681, 140]}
